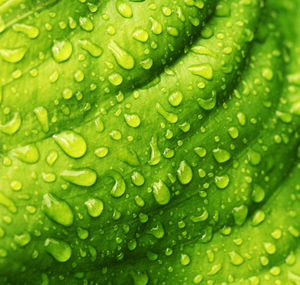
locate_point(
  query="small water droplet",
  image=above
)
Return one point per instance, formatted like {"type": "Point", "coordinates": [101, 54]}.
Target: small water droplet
{"type": "Point", "coordinates": [175, 98]}
{"type": "Point", "coordinates": [185, 259]}
{"type": "Point", "coordinates": [22, 239]}
{"type": "Point", "coordinates": [240, 214]}
{"type": "Point", "coordinates": [141, 35]}
{"type": "Point", "coordinates": [222, 181]}
{"type": "Point", "coordinates": [235, 258]}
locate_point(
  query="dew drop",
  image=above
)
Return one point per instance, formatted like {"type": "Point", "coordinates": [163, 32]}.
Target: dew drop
{"type": "Point", "coordinates": [30, 31]}
{"type": "Point", "coordinates": [42, 116]}
{"type": "Point", "coordinates": [81, 177]}
{"type": "Point", "coordinates": [155, 153]}
{"type": "Point", "coordinates": [185, 173]}
{"type": "Point", "coordinates": [27, 154]}
{"type": "Point", "coordinates": [94, 207]}
{"type": "Point", "coordinates": [60, 250]}
{"type": "Point", "coordinates": [13, 55]}
{"type": "Point", "coordinates": [119, 187]}
{"type": "Point", "coordinates": [123, 58]}
{"type": "Point", "coordinates": [93, 49]}
{"type": "Point", "coordinates": [71, 143]}
{"type": "Point", "coordinates": [204, 70]}
{"type": "Point", "coordinates": [13, 125]}
{"type": "Point", "coordinates": [161, 193]}
{"type": "Point", "coordinates": [132, 120]}
{"type": "Point", "coordinates": [61, 50]}
{"type": "Point", "coordinates": [57, 210]}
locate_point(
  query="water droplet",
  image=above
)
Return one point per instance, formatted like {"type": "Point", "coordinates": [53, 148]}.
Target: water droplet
{"type": "Point", "coordinates": [241, 118]}
{"type": "Point", "coordinates": [139, 278]}
{"type": "Point", "coordinates": [175, 98]}
{"type": "Point", "coordinates": [94, 207]}
{"type": "Point", "coordinates": [51, 157]}
{"type": "Point", "coordinates": [156, 27]}
{"type": "Point", "coordinates": [124, 9]}
{"type": "Point", "coordinates": [267, 73]}
{"type": "Point", "coordinates": [221, 155]}
{"type": "Point", "coordinates": [170, 117]}
{"type": "Point", "coordinates": [116, 79]}
{"type": "Point", "coordinates": [258, 217]}
{"type": "Point", "coordinates": [42, 116]}
{"type": "Point", "coordinates": [115, 135]}
{"type": "Point", "coordinates": [235, 258]}
{"type": "Point", "coordinates": [184, 172]}
{"type": "Point", "coordinates": [222, 181]}
{"type": "Point", "coordinates": [200, 151]}
{"type": "Point", "coordinates": [155, 153]}
{"type": "Point", "coordinates": [91, 48]}
{"type": "Point", "coordinates": [101, 151]}
{"type": "Point", "coordinates": [86, 24]}
{"type": "Point", "coordinates": [141, 35]}
{"type": "Point", "coordinates": [161, 193]}
{"type": "Point", "coordinates": [233, 132]}
{"type": "Point", "coordinates": [123, 58]}
{"type": "Point", "coordinates": [79, 76]}
{"type": "Point", "coordinates": [137, 178]}
{"type": "Point", "coordinates": [203, 51]}
{"type": "Point", "coordinates": [27, 154]}
{"type": "Point", "coordinates": [258, 193]}
{"type": "Point", "coordinates": [13, 55]}
{"type": "Point", "coordinates": [60, 250]}
{"type": "Point", "coordinates": [57, 210]}
{"type": "Point", "coordinates": [22, 239]}
{"type": "Point", "coordinates": [61, 50]}
{"type": "Point", "coordinates": [82, 233]}
{"type": "Point", "coordinates": [119, 187]}
{"type": "Point", "coordinates": [198, 279]}
{"type": "Point", "coordinates": [81, 177]}
{"type": "Point", "coordinates": [71, 143]}
{"type": "Point", "coordinates": [8, 203]}
{"type": "Point", "coordinates": [240, 214]}
{"type": "Point", "coordinates": [132, 120]}
{"type": "Point", "coordinates": [30, 31]}
{"type": "Point", "coordinates": [204, 70]}
{"type": "Point", "coordinates": [270, 248]}
{"type": "Point", "coordinates": [157, 230]}
{"type": "Point", "coordinates": [208, 103]}
{"type": "Point", "coordinates": [12, 126]}
{"type": "Point", "coordinates": [185, 259]}
{"type": "Point", "coordinates": [215, 269]}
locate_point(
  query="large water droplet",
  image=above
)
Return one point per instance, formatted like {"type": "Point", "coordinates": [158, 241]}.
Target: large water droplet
{"type": "Point", "coordinates": [30, 31]}
{"type": "Point", "coordinates": [90, 47]}
{"type": "Point", "coordinates": [221, 155]}
{"type": "Point", "coordinates": [42, 116]}
{"type": "Point", "coordinates": [204, 70]}
{"type": "Point", "coordinates": [61, 50]}
{"type": "Point", "coordinates": [81, 177]}
{"type": "Point", "coordinates": [94, 207]}
{"type": "Point", "coordinates": [161, 193]}
{"type": "Point", "coordinates": [60, 250]}
{"type": "Point", "coordinates": [184, 172]}
{"type": "Point", "coordinates": [13, 55]}
{"type": "Point", "coordinates": [71, 143]}
{"type": "Point", "coordinates": [57, 210]}
{"type": "Point", "coordinates": [123, 58]}
{"type": "Point", "coordinates": [12, 126]}
{"type": "Point", "coordinates": [155, 153]}
{"type": "Point", "coordinates": [28, 153]}
{"type": "Point", "coordinates": [119, 187]}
